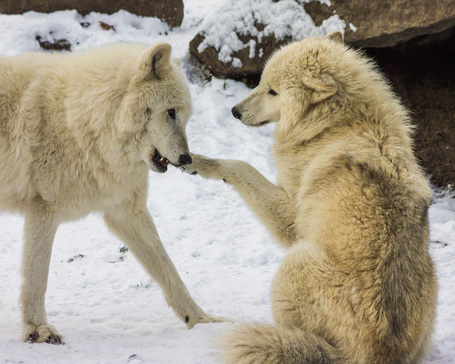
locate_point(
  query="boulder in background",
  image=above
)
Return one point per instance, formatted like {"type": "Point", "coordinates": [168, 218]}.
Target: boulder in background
{"type": "Point", "coordinates": [239, 37]}
{"type": "Point", "coordinates": [169, 11]}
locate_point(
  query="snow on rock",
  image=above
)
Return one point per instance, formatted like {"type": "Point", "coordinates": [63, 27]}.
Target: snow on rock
{"type": "Point", "coordinates": [19, 32]}
{"type": "Point", "coordinates": [285, 18]}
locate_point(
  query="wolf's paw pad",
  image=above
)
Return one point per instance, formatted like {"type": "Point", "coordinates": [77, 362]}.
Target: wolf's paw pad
{"type": "Point", "coordinates": [42, 334]}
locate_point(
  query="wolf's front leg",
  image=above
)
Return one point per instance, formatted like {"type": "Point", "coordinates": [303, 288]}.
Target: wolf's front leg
{"type": "Point", "coordinates": [137, 230]}
{"type": "Point", "coordinates": [270, 203]}
{"type": "Point", "coordinates": [39, 231]}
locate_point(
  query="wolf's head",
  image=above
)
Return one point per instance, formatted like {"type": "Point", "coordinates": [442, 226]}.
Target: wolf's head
{"type": "Point", "coordinates": [156, 109]}
{"type": "Point", "coordinates": [293, 79]}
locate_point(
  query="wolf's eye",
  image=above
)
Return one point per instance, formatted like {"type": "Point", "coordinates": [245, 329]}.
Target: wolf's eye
{"type": "Point", "coordinates": [273, 92]}
{"type": "Point", "coordinates": [171, 113]}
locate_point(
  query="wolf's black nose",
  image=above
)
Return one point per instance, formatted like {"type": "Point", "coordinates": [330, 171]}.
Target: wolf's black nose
{"type": "Point", "coordinates": [237, 114]}
{"type": "Point", "coordinates": [185, 159]}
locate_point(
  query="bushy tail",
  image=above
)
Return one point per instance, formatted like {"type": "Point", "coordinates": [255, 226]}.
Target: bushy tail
{"type": "Point", "coordinates": [267, 344]}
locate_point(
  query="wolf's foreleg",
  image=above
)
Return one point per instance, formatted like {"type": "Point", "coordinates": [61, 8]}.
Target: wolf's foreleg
{"type": "Point", "coordinates": [137, 230]}
{"type": "Point", "coordinates": [270, 203]}
{"type": "Point", "coordinates": [39, 231]}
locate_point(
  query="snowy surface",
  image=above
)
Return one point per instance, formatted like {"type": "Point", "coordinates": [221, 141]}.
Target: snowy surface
{"type": "Point", "coordinates": [101, 299]}
{"type": "Point", "coordinates": [281, 19]}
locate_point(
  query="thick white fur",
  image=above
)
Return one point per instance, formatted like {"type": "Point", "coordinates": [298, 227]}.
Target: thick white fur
{"type": "Point", "coordinates": [77, 134]}
{"type": "Point", "coordinates": [351, 204]}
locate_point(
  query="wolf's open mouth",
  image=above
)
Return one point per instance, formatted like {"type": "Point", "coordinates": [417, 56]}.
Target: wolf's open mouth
{"type": "Point", "coordinates": [160, 162]}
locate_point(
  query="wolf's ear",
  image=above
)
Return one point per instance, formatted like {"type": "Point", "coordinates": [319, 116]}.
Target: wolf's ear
{"type": "Point", "coordinates": [155, 61]}
{"type": "Point", "coordinates": [322, 87]}
{"type": "Point", "coordinates": [336, 36]}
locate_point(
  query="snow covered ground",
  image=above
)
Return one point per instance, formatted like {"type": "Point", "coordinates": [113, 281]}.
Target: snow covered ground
{"type": "Point", "coordinates": [101, 299]}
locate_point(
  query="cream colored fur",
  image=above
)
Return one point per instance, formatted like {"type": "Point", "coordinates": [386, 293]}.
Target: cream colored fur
{"type": "Point", "coordinates": [77, 135]}
{"type": "Point", "coordinates": [351, 204]}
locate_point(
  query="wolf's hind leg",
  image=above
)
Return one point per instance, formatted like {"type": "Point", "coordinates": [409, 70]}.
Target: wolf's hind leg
{"type": "Point", "coordinates": [39, 231]}
{"type": "Point", "coordinates": [270, 203]}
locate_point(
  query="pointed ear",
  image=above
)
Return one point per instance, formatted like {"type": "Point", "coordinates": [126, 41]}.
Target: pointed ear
{"type": "Point", "coordinates": [336, 36]}
{"type": "Point", "coordinates": [322, 87]}
{"type": "Point", "coordinates": [155, 62]}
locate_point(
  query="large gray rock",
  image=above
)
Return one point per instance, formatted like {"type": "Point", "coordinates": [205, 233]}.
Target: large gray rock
{"type": "Point", "coordinates": [236, 40]}
{"type": "Point", "coordinates": [385, 23]}
{"type": "Point", "coordinates": [170, 11]}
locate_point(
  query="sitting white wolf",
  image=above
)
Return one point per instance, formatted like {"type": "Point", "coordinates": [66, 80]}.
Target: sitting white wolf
{"type": "Point", "coordinates": [79, 133]}
{"type": "Point", "coordinates": [351, 203]}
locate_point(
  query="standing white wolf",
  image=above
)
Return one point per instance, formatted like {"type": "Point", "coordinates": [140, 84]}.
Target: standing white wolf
{"type": "Point", "coordinates": [78, 133]}
{"type": "Point", "coordinates": [358, 285]}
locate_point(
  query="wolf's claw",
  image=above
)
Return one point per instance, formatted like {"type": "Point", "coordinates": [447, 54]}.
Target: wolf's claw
{"type": "Point", "coordinates": [188, 170]}
{"type": "Point", "coordinates": [207, 319]}
{"type": "Point", "coordinates": [43, 334]}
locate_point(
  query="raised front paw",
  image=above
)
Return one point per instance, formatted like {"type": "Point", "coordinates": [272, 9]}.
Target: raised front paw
{"type": "Point", "coordinates": [41, 334]}
{"type": "Point", "coordinates": [205, 167]}
{"type": "Point", "coordinates": [189, 169]}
